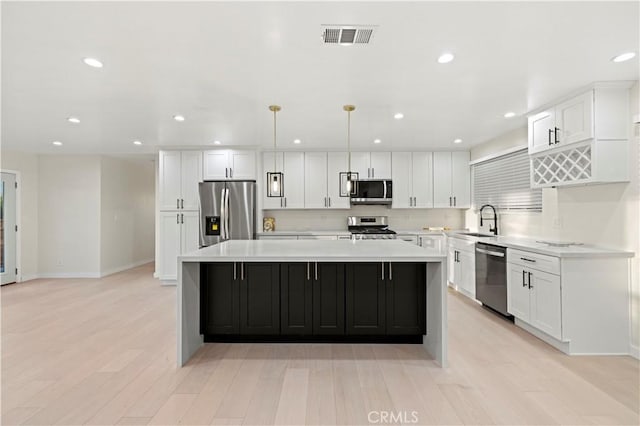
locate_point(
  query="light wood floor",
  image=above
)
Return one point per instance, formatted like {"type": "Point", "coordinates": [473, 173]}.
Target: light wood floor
{"type": "Point", "coordinates": [87, 351]}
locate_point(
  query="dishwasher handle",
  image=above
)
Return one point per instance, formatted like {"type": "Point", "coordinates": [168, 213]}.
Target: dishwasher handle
{"type": "Point", "coordinates": [489, 252]}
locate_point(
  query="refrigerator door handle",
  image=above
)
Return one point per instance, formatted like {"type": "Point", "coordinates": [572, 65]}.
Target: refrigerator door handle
{"type": "Point", "coordinates": [226, 226]}
{"type": "Point", "coordinates": [222, 215]}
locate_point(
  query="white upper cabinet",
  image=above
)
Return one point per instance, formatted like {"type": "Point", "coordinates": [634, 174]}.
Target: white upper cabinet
{"type": "Point", "coordinates": [179, 175]}
{"type": "Point", "coordinates": [412, 179]}
{"type": "Point", "coordinates": [291, 164]}
{"type": "Point", "coordinates": [381, 165]}
{"type": "Point", "coordinates": [451, 179]}
{"type": "Point", "coordinates": [583, 139]}
{"type": "Point", "coordinates": [322, 180]}
{"type": "Point", "coordinates": [371, 165]}
{"type": "Point", "coordinates": [315, 180]}
{"type": "Point", "coordinates": [229, 164]}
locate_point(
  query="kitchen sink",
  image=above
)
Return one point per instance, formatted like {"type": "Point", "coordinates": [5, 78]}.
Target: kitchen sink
{"type": "Point", "coordinates": [477, 234]}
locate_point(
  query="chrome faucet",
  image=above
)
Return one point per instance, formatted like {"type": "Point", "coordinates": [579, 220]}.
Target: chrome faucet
{"type": "Point", "coordinates": [494, 218]}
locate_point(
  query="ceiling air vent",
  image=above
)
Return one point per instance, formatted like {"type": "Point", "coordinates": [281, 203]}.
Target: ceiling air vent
{"type": "Point", "coordinates": [347, 34]}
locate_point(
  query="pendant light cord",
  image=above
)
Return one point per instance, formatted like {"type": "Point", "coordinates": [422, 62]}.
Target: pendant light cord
{"type": "Point", "coordinates": [349, 138]}
{"type": "Point", "coordinates": [275, 159]}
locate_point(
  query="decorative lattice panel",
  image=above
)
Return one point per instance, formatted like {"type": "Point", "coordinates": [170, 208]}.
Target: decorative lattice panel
{"type": "Point", "coordinates": [569, 166]}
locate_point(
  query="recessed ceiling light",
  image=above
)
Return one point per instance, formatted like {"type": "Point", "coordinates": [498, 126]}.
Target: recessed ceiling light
{"type": "Point", "coordinates": [377, 141]}
{"type": "Point", "coordinates": [398, 116]}
{"type": "Point", "coordinates": [445, 58]}
{"type": "Point", "coordinates": [137, 143]}
{"type": "Point", "coordinates": [178, 117]}
{"type": "Point", "coordinates": [75, 120]}
{"type": "Point", "coordinates": [624, 57]}
{"type": "Point", "coordinates": [216, 142]}
{"type": "Point", "coordinates": [457, 141]}
{"type": "Point", "coordinates": [57, 143]}
{"type": "Point", "coordinates": [509, 114]}
{"type": "Point", "coordinates": [297, 141]}
{"type": "Point", "coordinates": [93, 62]}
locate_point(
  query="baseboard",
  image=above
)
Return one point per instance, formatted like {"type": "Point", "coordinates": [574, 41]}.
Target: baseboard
{"type": "Point", "coordinates": [28, 278]}
{"type": "Point", "coordinates": [561, 346]}
{"type": "Point", "coordinates": [169, 282]}
{"type": "Point", "coordinates": [634, 351]}
{"type": "Point", "coordinates": [121, 268]}
{"type": "Point", "coordinates": [69, 275]}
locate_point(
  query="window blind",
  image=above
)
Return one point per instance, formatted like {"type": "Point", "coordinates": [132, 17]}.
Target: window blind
{"type": "Point", "coordinates": [504, 182]}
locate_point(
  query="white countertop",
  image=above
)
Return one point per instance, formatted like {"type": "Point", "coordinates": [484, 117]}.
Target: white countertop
{"type": "Point", "coordinates": [314, 250]}
{"type": "Point", "coordinates": [534, 246]}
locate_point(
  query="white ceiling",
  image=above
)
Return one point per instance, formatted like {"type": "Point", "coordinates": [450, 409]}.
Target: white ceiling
{"type": "Point", "coordinates": [220, 64]}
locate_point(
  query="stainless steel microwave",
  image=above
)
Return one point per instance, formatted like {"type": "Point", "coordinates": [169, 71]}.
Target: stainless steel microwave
{"type": "Point", "coordinates": [372, 191]}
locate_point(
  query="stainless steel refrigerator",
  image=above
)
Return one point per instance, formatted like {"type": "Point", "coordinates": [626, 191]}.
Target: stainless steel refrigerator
{"type": "Point", "coordinates": [227, 211]}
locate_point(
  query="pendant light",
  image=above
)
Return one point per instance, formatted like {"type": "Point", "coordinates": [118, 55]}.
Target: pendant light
{"type": "Point", "coordinates": [348, 180]}
{"type": "Point", "coordinates": [275, 179]}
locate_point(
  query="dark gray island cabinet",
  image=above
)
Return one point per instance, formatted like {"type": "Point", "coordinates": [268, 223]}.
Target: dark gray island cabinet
{"type": "Point", "coordinates": [316, 301]}
{"type": "Point", "coordinates": [312, 291]}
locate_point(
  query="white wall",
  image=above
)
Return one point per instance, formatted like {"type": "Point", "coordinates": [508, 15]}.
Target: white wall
{"type": "Point", "coordinates": [27, 165]}
{"type": "Point", "coordinates": [604, 215]}
{"type": "Point", "coordinates": [399, 219]}
{"type": "Point", "coordinates": [68, 215]}
{"type": "Point", "coordinates": [127, 213]}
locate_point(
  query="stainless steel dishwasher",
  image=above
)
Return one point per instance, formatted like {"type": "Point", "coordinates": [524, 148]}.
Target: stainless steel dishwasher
{"type": "Point", "coordinates": [491, 277]}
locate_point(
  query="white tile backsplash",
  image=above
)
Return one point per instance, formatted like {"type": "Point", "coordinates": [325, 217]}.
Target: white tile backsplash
{"type": "Point", "coordinates": [399, 219]}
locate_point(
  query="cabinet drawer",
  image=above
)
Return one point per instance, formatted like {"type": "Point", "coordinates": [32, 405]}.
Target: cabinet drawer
{"type": "Point", "coordinates": [462, 244]}
{"type": "Point", "coordinates": [532, 260]}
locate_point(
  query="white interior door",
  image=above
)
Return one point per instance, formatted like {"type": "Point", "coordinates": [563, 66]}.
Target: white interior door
{"type": "Point", "coordinates": [8, 228]}
{"type": "Point", "coordinates": [315, 180]}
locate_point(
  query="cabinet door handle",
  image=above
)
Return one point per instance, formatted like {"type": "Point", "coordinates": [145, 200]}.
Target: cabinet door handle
{"type": "Point", "coordinates": [555, 135]}
{"type": "Point", "coordinates": [373, 172]}
{"type": "Point", "coordinates": [325, 201]}
{"type": "Point", "coordinates": [308, 273]}
{"type": "Point", "coordinates": [182, 203]}
{"type": "Point", "coordinates": [527, 260]}
{"type": "Point", "coordinates": [450, 201]}
{"type": "Point", "coordinates": [178, 218]}
{"type": "Point", "coordinates": [329, 201]}
{"type": "Point", "coordinates": [549, 137]}
{"type": "Point", "coordinates": [177, 203]}
{"type": "Point", "coordinates": [390, 272]}
{"type": "Point", "coordinates": [316, 272]}
{"type": "Point", "coordinates": [368, 172]}
{"type": "Point", "coordinates": [415, 203]}
{"type": "Point", "coordinates": [242, 271]}
{"type": "Point", "coordinates": [383, 270]}
{"type": "Point", "coordinates": [524, 274]}
{"type": "Point", "coordinates": [280, 202]}
{"type": "Point", "coordinates": [226, 172]}
{"type": "Point", "coordinates": [181, 218]}
{"type": "Point", "coordinates": [230, 172]}
{"type": "Point", "coordinates": [285, 201]}
{"type": "Point", "coordinates": [420, 241]}
{"type": "Point", "coordinates": [235, 277]}
{"type": "Point", "coordinates": [455, 202]}
{"type": "Point", "coordinates": [530, 286]}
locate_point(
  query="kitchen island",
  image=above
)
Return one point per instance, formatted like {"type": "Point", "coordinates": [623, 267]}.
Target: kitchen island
{"type": "Point", "coordinates": [363, 298]}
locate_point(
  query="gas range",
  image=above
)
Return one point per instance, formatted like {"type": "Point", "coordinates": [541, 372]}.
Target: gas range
{"type": "Point", "coordinates": [370, 228]}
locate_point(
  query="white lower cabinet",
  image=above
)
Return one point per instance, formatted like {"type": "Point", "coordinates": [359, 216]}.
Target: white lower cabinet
{"type": "Point", "coordinates": [461, 262]}
{"type": "Point", "coordinates": [179, 233]}
{"type": "Point", "coordinates": [534, 296]}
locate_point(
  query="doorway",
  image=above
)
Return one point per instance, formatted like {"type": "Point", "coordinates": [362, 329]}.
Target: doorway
{"type": "Point", "coordinates": [8, 228]}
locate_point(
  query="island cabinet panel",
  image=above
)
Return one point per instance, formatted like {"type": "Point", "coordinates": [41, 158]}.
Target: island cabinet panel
{"type": "Point", "coordinates": [220, 299]}
{"type": "Point", "coordinates": [259, 298]}
{"type": "Point", "coordinates": [365, 299]}
{"type": "Point", "coordinates": [328, 299]}
{"type": "Point", "coordinates": [296, 299]}
{"type": "Point", "coordinates": [406, 299]}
